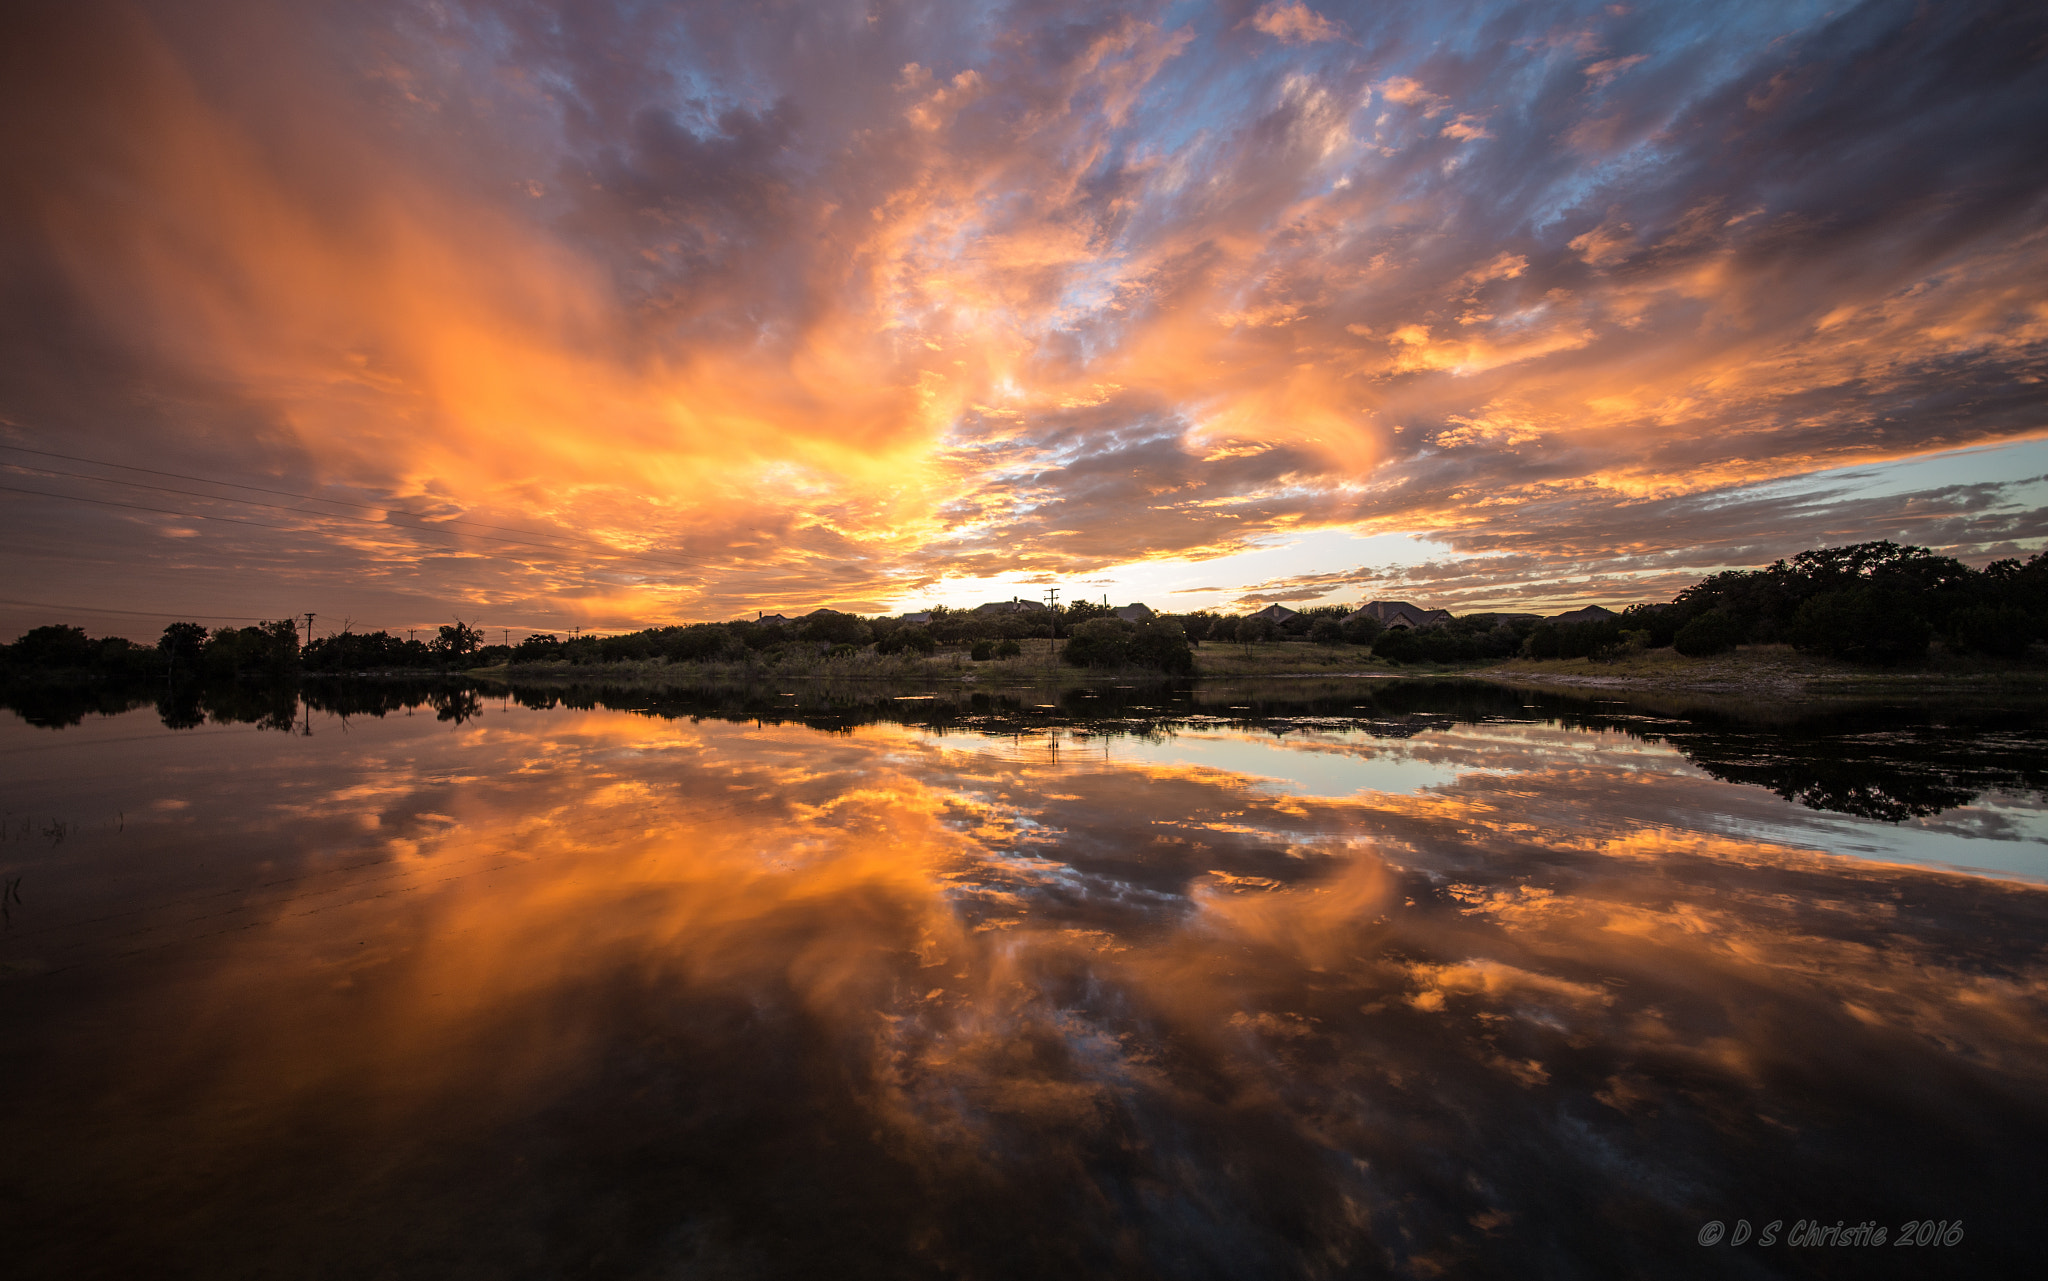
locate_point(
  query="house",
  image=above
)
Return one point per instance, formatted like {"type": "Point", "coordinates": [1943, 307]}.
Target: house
{"type": "Point", "coordinates": [1399, 615]}
{"type": "Point", "coordinates": [1590, 614]}
{"type": "Point", "coordinates": [1133, 613]}
{"type": "Point", "coordinates": [769, 620]}
{"type": "Point", "coordinates": [921, 616]}
{"type": "Point", "coordinates": [1014, 605]}
{"type": "Point", "coordinates": [1277, 614]}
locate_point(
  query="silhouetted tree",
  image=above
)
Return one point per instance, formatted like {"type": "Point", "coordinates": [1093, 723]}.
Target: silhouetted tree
{"type": "Point", "coordinates": [180, 645]}
{"type": "Point", "coordinates": [832, 627]}
{"type": "Point", "coordinates": [1713, 632]}
{"type": "Point", "coordinates": [456, 641]}
{"type": "Point", "coordinates": [1863, 623]}
{"type": "Point", "coordinates": [1398, 645]}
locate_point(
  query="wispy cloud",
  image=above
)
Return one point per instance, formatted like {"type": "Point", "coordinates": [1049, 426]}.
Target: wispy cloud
{"type": "Point", "coordinates": [828, 308]}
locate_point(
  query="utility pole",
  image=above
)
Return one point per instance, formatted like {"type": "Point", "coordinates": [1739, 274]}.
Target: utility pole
{"type": "Point", "coordinates": [309, 627]}
{"type": "Point", "coordinates": [1052, 615]}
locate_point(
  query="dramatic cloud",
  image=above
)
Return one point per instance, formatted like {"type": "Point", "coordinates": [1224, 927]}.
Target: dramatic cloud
{"type": "Point", "coordinates": [668, 312]}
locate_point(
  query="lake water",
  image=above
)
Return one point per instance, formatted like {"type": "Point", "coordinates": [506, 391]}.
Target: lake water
{"type": "Point", "coordinates": [1300, 979]}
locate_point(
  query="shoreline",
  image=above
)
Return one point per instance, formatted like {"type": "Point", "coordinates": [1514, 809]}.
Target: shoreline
{"type": "Point", "coordinates": [1760, 669]}
{"type": "Point", "coordinates": [1775, 671]}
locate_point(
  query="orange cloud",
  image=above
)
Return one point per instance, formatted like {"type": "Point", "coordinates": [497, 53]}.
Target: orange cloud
{"type": "Point", "coordinates": [828, 330]}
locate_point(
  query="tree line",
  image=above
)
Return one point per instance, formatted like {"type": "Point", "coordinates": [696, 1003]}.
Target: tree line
{"type": "Point", "coordinates": [271, 649]}
{"type": "Point", "coordinates": [1879, 603]}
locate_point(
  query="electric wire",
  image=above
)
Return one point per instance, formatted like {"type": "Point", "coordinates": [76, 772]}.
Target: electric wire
{"type": "Point", "coordinates": [134, 613]}
{"type": "Point", "coordinates": [300, 511]}
{"type": "Point", "coordinates": [259, 489]}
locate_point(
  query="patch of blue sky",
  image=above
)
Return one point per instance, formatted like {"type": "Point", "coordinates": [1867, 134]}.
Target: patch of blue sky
{"type": "Point", "coordinates": [1178, 585]}
{"type": "Point", "coordinates": [2000, 836]}
{"type": "Point", "coordinates": [2020, 467]}
{"type": "Point", "coordinates": [1288, 768]}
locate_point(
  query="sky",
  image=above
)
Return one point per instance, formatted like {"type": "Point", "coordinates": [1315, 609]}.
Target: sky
{"type": "Point", "coordinates": [545, 315]}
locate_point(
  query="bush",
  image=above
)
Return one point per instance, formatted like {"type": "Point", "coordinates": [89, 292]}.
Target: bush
{"type": "Point", "coordinates": [1711, 633]}
{"type": "Point", "coordinates": [53, 647]}
{"type": "Point", "coordinates": [983, 650]}
{"type": "Point", "coordinates": [1998, 630]}
{"type": "Point", "coordinates": [1098, 642]}
{"type": "Point", "coordinates": [1161, 644]}
{"type": "Point", "coordinates": [1863, 624]}
{"type": "Point", "coordinates": [1362, 629]}
{"type": "Point", "coordinates": [837, 628]}
{"type": "Point", "coordinates": [1195, 626]}
{"type": "Point", "coordinates": [270, 648]}
{"type": "Point", "coordinates": [1112, 642]}
{"type": "Point", "coordinates": [1007, 648]}
{"type": "Point", "coordinates": [1398, 646]}
{"type": "Point", "coordinates": [912, 638]}
{"type": "Point", "coordinates": [1572, 640]}
{"type": "Point", "coordinates": [541, 647]}
{"type": "Point", "coordinates": [1443, 645]}
{"type": "Point", "coordinates": [1326, 631]}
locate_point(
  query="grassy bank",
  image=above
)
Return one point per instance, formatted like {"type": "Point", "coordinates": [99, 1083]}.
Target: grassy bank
{"type": "Point", "coordinates": [1033, 666]}
{"type": "Point", "coordinates": [1769, 669]}
{"type": "Point", "coordinates": [1751, 669]}
{"type": "Point", "coordinates": [908, 667]}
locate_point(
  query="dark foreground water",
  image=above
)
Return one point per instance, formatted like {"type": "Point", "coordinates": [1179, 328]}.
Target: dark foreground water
{"type": "Point", "coordinates": [1412, 979]}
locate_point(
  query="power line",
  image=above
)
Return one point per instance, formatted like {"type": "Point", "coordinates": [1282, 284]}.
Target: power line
{"type": "Point", "coordinates": [251, 502]}
{"type": "Point", "coordinates": [163, 511]}
{"type": "Point", "coordinates": [136, 613]}
{"type": "Point", "coordinates": [180, 615]}
{"type": "Point", "coordinates": [259, 489]}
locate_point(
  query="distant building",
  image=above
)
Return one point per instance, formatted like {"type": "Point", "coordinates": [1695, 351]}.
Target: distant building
{"type": "Point", "coordinates": [1590, 614]}
{"type": "Point", "coordinates": [775, 620]}
{"type": "Point", "coordinates": [1014, 605]}
{"type": "Point", "coordinates": [1277, 613]}
{"type": "Point", "coordinates": [921, 616]}
{"type": "Point", "coordinates": [1138, 613]}
{"type": "Point", "coordinates": [1399, 615]}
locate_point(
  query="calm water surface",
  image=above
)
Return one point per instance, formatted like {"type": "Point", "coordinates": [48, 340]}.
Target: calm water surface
{"type": "Point", "coordinates": [1291, 981]}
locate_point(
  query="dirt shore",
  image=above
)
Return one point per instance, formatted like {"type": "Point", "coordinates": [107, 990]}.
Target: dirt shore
{"type": "Point", "coordinates": [1773, 670]}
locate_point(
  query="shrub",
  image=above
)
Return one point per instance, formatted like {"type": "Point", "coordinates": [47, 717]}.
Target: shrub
{"type": "Point", "coordinates": [983, 650]}
{"type": "Point", "coordinates": [1112, 642]}
{"type": "Point", "coordinates": [1362, 629]}
{"type": "Point", "coordinates": [1710, 633]}
{"type": "Point", "coordinates": [1863, 624]}
{"type": "Point", "coordinates": [55, 646]}
{"type": "Point", "coordinates": [1007, 648]}
{"type": "Point", "coordinates": [1160, 644]}
{"type": "Point", "coordinates": [541, 647]}
{"type": "Point", "coordinates": [1443, 645]}
{"type": "Point", "coordinates": [912, 637]}
{"type": "Point", "coordinates": [1398, 646]}
{"type": "Point", "coordinates": [1326, 631]}
{"type": "Point", "coordinates": [1098, 642]}
{"type": "Point", "coordinates": [1998, 630]}
{"type": "Point", "coordinates": [1195, 626]}
{"type": "Point", "coordinates": [837, 628]}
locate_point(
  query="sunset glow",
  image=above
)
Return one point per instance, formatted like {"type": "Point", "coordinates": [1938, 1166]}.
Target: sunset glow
{"type": "Point", "coordinates": [614, 315]}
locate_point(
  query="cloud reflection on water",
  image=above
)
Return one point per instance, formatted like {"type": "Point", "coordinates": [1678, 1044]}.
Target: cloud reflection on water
{"type": "Point", "coordinates": [751, 999]}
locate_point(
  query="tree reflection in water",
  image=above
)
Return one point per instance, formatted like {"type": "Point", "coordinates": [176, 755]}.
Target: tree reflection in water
{"type": "Point", "coordinates": [697, 988]}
